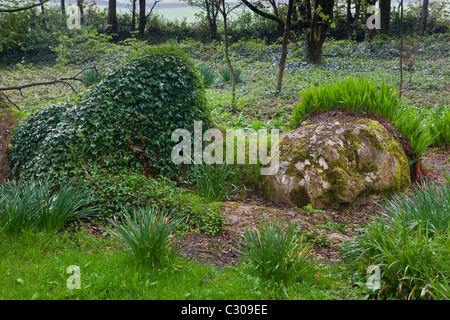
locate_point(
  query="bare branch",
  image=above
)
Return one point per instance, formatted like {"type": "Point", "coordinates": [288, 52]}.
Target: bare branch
{"type": "Point", "coordinates": [25, 8]}
{"type": "Point", "coordinates": [151, 9]}
{"type": "Point", "coordinates": [45, 83]}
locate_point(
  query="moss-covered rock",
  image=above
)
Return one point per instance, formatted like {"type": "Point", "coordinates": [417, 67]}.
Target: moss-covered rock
{"type": "Point", "coordinates": [338, 162]}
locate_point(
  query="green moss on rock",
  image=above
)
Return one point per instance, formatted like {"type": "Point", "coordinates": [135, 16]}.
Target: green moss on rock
{"type": "Point", "coordinates": [337, 163]}
{"type": "Point", "coordinates": [300, 196]}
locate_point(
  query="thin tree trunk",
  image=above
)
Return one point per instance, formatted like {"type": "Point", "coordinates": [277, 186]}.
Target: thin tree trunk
{"type": "Point", "coordinates": [133, 15]}
{"type": "Point", "coordinates": [401, 50]}
{"type": "Point", "coordinates": [63, 6]}
{"type": "Point", "coordinates": [80, 6]}
{"type": "Point", "coordinates": [423, 17]}
{"type": "Point", "coordinates": [284, 47]}
{"type": "Point", "coordinates": [227, 56]}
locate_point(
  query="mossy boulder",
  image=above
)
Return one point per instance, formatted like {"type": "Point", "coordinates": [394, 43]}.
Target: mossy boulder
{"type": "Point", "coordinates": [338, 162]}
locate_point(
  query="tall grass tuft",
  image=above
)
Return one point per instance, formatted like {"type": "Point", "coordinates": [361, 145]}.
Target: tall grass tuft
{"type": "Point", "coordinates": [227, 77]}
{"type": "Point", "coordinates": [92, 76]}
{"type": "Point", "coordinates": [410, 242]}
{"type": "Point", "coordinates": [439, 121]}
{"type": "Point", "coordinates": [215, 182]}
{"type": "Point", "coordinates": [208, 75]}
{"type": "Point", "coordinates": [359, 95]}
{"type": "Point", "coordinates": [149, 234]}
{"type": "Point", "coordinates": [35, 206]}
{"type": "Point", "coordinates": [276, 254]}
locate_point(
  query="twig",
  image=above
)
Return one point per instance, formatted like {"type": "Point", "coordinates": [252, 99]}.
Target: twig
{"type": "Point", "coordinates": [24, 8]}
{"type": "Point", "coordinates": [15, 105]}
{"type": "Point", "coordinates": [45, 83]}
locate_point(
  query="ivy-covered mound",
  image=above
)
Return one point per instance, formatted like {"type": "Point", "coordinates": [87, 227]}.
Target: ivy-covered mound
{"type": "Point", "coordinates": [122, 124]}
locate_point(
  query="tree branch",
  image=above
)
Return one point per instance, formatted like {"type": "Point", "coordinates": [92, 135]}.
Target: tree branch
{"type": "Point", "coordinates": [45, 83]}
{"type": "Point", "coordinates": [151, 9]}
{"type": "Point", "coordinates": [24, 8]}
{"type": "Point", "coordinates": [264, 14]}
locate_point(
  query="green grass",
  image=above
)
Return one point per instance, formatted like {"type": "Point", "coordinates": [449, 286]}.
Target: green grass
{"type": "Point", "coordinates": [411, 245]}
{"type": "Point", "coordinates": [277, 254]}
{"type": "Point", "coordinates": [35, 205]}
{"type": "Point", "coordinates": [150, 234]}
{"type": "Point", "coordinates": [34, 266]}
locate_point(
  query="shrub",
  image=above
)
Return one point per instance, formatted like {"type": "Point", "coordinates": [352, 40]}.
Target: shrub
{"type": "Point", "coordinates": [149, 235]}
{"type": "Point", "coordinates": [276, 255]}
{"type": "Point", "coordinates": [81, 46]}
{"type": "Point", "coordinates": [35, 206]}
{"type": "Point", "coordinates": [127, 192]}
{"type": "Point", "coordinates": [410, 243]}
{"type": "Point", "coordinates": [124, 123]}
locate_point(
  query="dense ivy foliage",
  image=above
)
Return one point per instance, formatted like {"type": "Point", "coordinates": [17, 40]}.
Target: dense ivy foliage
{"type": "Point", "coordinates": [122, 124]}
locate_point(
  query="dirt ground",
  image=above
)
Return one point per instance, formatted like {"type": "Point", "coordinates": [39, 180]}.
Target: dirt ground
{"type": "Point", "coordinates": [6, 123]}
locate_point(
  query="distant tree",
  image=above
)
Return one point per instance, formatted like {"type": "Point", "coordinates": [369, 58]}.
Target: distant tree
{"type": "Point", "coordinates": [133, 15]}
{"type": "Point", "coordinates": [315, 17]}
{"type": "Point", "coordinates": [385, 15]}
{"type": "Point", "coordinates": [284, 46]}
{"type": "Point", "coordinates": [143, 15]}
{"type": "Point", "coordinates": [423, 17]}
{"type": "Point", "coordinates": [80, 4]}
{"type": "Point", "coordinates": [112, 16]}
{"type": "Point", "coordinates": [211, 11]}
{"type": "Point", "coordinates": [225, 9]}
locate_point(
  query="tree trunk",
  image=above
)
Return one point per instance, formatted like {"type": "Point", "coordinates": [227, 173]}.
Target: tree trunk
{"type": "Point", "coordinates": [314, 49]}
{"type": "Point", "coordinates": [211, 15]}
{"type": "Point", "coordinates": [80, 6]}
{"type": "Point", "coordinates": [349, 12]}
{"type": "Point", "coordinates": [284, 47]}
{"type": "Point", "coordinates": [227, 56]}
{"type": "Point", "coordinates": [385, 15]}
{"type": "Point", "coordinates": [63, 6]}
{"type": "Point", "coordinates": [133, 15]}
{"type": "Point", "coordinates": [112, 16]}
{"type": "Point", "coordinates": [423, 17]}
{"type": "Point", "coordinates": [142, 18]}
{"type": "Point", "coordinates": [315, 35]}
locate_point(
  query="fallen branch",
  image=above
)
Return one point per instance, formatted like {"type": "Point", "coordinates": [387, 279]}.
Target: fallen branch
{"type": "Point", "coordinates": [45, 83]}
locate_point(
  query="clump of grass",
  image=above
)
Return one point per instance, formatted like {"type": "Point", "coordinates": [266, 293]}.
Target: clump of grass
{"type": "Point", "coordinates": [35, 206]}
{"type": "Point", "coordinates": [208, 75]}
{"type": "Point", "coordinates": [410, 243]}
{"type": "Point", "coordinates": [149, 234]}
{"type": "Point", "coordinates": [215, 182]}
{"type": "Point", "coordinates": [227, 77]}
{"type": "Point", "coordinates": [276, 254]}
{"type": "Point", "coordinates": [92, 76]}
{"type": "Point", "coordinates": [440, 125]}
